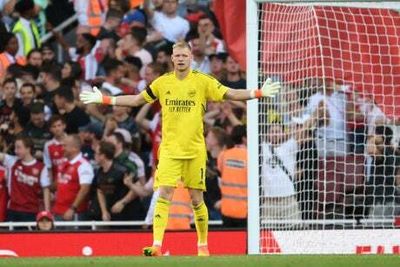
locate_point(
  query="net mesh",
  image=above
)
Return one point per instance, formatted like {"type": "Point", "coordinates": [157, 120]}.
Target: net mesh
{"type": "Point", "coordinates": [328, 142]}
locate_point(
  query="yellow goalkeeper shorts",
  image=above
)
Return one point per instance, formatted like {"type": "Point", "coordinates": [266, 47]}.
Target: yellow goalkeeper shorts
{"type": "Point", "coordinates": [192, 172]}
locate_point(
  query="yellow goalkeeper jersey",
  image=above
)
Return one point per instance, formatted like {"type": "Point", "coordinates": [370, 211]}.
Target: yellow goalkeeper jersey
{"type": "Point", "coordinates": [183, 104]}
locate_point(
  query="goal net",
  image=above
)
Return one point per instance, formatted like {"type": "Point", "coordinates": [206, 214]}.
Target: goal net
{"type": "Point", "coordinates": [327, 175]}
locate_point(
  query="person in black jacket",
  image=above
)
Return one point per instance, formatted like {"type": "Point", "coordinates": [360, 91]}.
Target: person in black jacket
{"type": "Point", "coordinates": [380, 188]}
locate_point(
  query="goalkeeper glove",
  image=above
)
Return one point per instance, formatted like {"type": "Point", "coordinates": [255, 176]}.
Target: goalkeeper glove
{"type": "Point", "coordinates": [269, 89]}
{"type": "Point", "coordinates": [96, 97]}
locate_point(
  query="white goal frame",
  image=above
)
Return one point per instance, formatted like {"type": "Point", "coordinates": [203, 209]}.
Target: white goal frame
{"type": "Point", "coordinates": [252, 53]}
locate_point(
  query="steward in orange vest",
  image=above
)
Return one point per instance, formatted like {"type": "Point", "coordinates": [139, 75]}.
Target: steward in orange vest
{"type": "Point", "coordinates": [232, 164]}
{"type": "Point", "coordinates": [95, 13]}
{"type": "Point", "coordinates": [180, 211]}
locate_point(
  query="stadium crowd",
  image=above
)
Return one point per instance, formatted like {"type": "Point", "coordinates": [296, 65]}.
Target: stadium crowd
{"type": "Point", "coordinates": [97, 162]}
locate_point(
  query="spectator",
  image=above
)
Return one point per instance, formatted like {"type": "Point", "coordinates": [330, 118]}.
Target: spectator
{"type": "Point", "coordinates": [233, 74]}
{"type": "Point", "coordinates": [211, 44]}
{"type": "Point", "coordinates": [232, 164]}
{"type": "Point", "coordinates": [279, 152]}
{"type": "Point", "coordinates": [49, 57]}
{"type": "Point", "coordinates": [106, 49]}
{"type": "Point", "coordinates": [27, 93]}
{"type": "Point", "coordinates": [331, 136]}
{"type": "Point", "coordinates": [132, 154]}
{"type": "Point", "coordinates": [34, 58]}
{"type": "Point", "coordinates": [37, 129]}
{"type": "Point", "coordinates": [91, 15]}
{"type": "Point", "coordinates": [132, 45]}
{"type": "Point", "coordinates": [98, 114]}
{"type": "Point", "coordinates": [72, 70]}
{"type": "Point", "coordinates": [3, 194]}
{"type": "Point", "coordinates": [151, 72]}
{"type": "Point", "coordinates": [28, 180]}
{"type": "Point", "coordinates": [18, 119]}
{"type": "Point", "coordinates": [122, 158]}
{"type": "Point", "coordinates": [9, 100]}
{"type": "Point", "coordinates": [223, 115]}
{"type": "Point", "coordinates": [108, 29]}
{"type": "Point", "coordinates": [73, 183]}
{"type": "Point", "coordinates": [215, 141]}
{"type": "Point", "coordinates": [380, 188]}
{"type": "Point", "coordinates": [278, 172]}
{"type": "Point", "coordinates": [122, 116]}
{"type": "Point", "coordinates": [164, 57]}
{"type": "Point", "coordinates": [112, 194]}
{"type": "Point", "coordinates": [25, 28]}
{"type": "Point", "coordinates": [121, 153]}
{"type": "Point", "coordinates": [91, 136]}
{"type": "Point", "coordinates": [355, 122]}
{"type": "Point", "coordinates": [114, 72]}
{"type": "Point", "coordinates": [53, 153]}
{"type": "Point", "coordinates": [133, 66]}
{"type": "Point", "coordinates": [153, 126]}
{"type": "Point", "coordinates": [200, 59]}
{"type": "Point", "coordinates": [8, 53]}
{"type": "Point", "coordinates": [28, 98]}
{"type": "Point", "coordinates": [217, 68]}
{"type": "Point", "coordinates": [167, 23]}
{"type": "Point", "coordinates": [134, 18]}
{"type": "Point", "coordinates": [44, 221]}
{"type": "Point", "coordinates": [50, 77]}
{"type": "Point", "coordinates": [84, 53]}
{"type": "Point", "coordinates": [74, 116]}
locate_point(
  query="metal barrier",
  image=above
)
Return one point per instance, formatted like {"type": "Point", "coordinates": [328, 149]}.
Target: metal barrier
{"type": "Point", "coordinates": [59, 28]}
{"type": "Point", "coordinates": [93, 224]}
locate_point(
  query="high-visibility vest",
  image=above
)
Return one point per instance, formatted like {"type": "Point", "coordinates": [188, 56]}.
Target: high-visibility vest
{"type": "Point", "coordinates": [5, 62]}
{"type": "Point", "coordinates": [180, 210]}
{"type": "Point", "coordinates": [232, 164]}
{"type": "Point", "coordinates": [95, 11]}
{"type": "Point", "coordinates": [26, 36]}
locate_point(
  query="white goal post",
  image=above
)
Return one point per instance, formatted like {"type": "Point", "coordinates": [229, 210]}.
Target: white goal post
{"type": "Point", "coordinates": [318, 57]}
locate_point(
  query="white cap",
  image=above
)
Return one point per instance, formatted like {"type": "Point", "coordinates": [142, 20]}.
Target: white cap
{"type": "Point", "coordinates": [125, 133]}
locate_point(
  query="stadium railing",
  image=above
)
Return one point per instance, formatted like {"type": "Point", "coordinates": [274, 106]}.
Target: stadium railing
{"type": "Point", "coordinates": [92, 224]}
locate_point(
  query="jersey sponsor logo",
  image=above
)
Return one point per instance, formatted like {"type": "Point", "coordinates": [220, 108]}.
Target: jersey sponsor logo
{"type": "Point", "coordinates": [179, 106]}
{"type": "Point", "coordinates": [58, 162]}
{"type": "Point", "coordinates": [64, 178]}
{"type": "Point", "coordinates": [168, 93]}
{"type": "Point", "coordinates": [25, 178]}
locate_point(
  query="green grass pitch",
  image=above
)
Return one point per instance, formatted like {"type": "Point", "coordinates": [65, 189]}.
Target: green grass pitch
{"type": "Point", "coordinates": [218, 261]}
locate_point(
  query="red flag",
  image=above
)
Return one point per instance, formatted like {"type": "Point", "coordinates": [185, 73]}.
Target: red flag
{"type": "Point", "coordinates": [231, 17]}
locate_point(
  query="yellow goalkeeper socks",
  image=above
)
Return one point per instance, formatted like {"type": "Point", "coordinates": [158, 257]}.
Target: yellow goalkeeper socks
{"type": "Point", "coordinates": [201, 221]}
{"type": "Point", "coordinates": [160, 220]}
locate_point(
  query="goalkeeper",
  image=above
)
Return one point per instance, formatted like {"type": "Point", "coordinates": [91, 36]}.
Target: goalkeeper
{"type": "Point", "coordinates": [183, 95]}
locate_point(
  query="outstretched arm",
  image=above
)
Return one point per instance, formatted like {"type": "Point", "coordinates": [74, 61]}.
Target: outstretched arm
{"type": "Point", "coordinates": [269, 89]}
{"type": "Point", "coordinates": [96, 97]}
